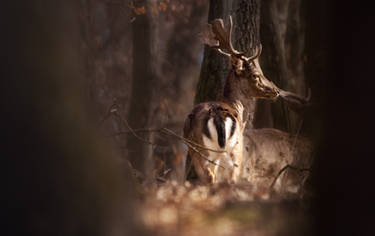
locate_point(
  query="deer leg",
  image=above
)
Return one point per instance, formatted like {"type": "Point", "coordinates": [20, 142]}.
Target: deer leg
{"type": "Point", "coordinates": [211, 177]}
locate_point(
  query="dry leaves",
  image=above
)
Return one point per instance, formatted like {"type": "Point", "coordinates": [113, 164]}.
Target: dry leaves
{"type": "Point", "coordinates": [222, 209]}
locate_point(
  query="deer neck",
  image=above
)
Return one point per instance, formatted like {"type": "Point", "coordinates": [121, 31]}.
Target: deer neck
{"type": "Point", "coordinates": [233, 95]}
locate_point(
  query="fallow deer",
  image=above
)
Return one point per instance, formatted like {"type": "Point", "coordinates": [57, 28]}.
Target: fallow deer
{"type": "Point", "coordinates": [215, 129]}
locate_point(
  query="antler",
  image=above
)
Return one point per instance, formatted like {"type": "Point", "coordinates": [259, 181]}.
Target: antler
{"type": "Point", "coordinates": [294, 101]}
{"type": "Point", "coordinates": [220, 38]}
{"type": "Point", "coordinates": [224, 37]}
{"type": "Point", "coordinates": [257, 53]}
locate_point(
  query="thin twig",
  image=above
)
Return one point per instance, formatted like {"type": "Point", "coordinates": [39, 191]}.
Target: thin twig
{"type": "Point", "coordinates": [191, 144]}
{"type": "Point", "coordinates": [286, 167]}
{"type": "Point", "coordinates": [125, 122]}
{"type": "Point", "coordinates": [168, 132]}
{"type": "Point", "coordinates": [134, 130]}
{"type": "Point", "coordinates": [204, 156]}
{"type": "Point", "coordinates": [189, 141]}
{"type": "Point", "coordinates": [113, 110]}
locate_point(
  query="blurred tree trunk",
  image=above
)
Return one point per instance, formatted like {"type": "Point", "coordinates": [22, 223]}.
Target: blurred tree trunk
{"type": "Point", "coordinates": [142, 92]}
{"type": "Point", "coordinates": [179, 72]}
{"type": "Point", "coordinates": [106, 45]}
{"type": "Point", "coordinates": [61, 178]}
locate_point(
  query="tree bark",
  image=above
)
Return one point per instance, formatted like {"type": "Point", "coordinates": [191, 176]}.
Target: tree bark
{"type": "Point", "coordinates": [246, 36]}
{"type": "Point", "coordinates": [214, 66]}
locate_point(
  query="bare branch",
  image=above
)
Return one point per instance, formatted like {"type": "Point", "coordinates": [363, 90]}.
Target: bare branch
{"type": "Point", "coordinates": [194, 146]}
{"type": "Point", "coordinates": [125, 122]}
{"type": "Point", "coordinates": [113, 110]}
{"type": "Point", "coordinates": [135, 131]}
{"type": "Point", "coordinates": [189, 141]}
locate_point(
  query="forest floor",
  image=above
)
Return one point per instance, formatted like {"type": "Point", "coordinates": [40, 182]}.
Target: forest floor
{"type": "Point", "coordinates": [222, 209]}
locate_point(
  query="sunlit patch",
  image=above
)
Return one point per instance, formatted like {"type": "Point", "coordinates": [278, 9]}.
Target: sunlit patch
{"type": "Point", "coordinates": [219, 209]}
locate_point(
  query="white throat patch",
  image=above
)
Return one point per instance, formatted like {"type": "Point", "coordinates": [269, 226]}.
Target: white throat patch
{"type": "Point", "coordinates": [213, 142]}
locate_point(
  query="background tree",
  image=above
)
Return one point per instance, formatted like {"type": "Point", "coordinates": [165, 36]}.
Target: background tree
{"type": "Point", "coordinates": [144, 77]}
{"type": "Point", "coordinates": [116, 72]}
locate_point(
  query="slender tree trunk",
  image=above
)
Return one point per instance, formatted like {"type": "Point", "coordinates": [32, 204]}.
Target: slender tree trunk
{"type": "Point", "coordinates": [106, 46]}
{"type": "Point", "coordinates": [143, 76]}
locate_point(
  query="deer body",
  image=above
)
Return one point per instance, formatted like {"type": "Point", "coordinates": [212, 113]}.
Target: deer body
{"type": "Point", "coordinates": [215, 128]}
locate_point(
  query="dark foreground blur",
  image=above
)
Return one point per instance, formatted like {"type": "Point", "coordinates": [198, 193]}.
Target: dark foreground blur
{"type": "Point", "coordinates": [61, 178]}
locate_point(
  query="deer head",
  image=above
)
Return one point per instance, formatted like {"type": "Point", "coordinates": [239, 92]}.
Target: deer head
{"type": "Point", "coordinates": [247, 70]}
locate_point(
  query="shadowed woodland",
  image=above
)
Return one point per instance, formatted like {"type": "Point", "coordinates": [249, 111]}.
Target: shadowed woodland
{"type": "Point", "coordinates": [100, 90]}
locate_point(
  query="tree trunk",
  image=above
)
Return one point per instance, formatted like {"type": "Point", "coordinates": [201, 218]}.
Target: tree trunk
{"type": "Point", "coordinates": [214, 66]}
{"type": "Point", "coordinates": [106, 45]}
{"type": "Point", "coordinates": [61, 178]}
{"type": "Point", "coordinates": [246, 36]}
{"type": "Point", "coordinates": [143, 77]}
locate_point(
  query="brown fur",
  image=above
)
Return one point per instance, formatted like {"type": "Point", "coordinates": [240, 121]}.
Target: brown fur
{"type": "Point", "coordinates": [245, 81]}
{"type": "Point", "coordinates": [193, 130]}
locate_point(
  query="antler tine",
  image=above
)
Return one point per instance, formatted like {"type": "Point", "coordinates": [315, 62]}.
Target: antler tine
{"type": "Point", "coordinates": [224, 37]}
{"type": "Point", "coordinates": [256, 54]}
{"type": "Point", "coordinates": [232, 50]}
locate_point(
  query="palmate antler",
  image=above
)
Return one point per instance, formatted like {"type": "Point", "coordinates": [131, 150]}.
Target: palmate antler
{"type": "Point", "coordinates": [224, 37]}
{"type": "Point", "coordinates": [219, 38]}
